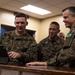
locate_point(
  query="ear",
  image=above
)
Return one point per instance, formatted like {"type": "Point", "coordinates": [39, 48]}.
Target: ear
{"type": "Point", "coordinates": [26, 23]}
{"type": "Point", "coordinates": [14, 23]}
{"type": "Point", "coordinates": [58, 31]}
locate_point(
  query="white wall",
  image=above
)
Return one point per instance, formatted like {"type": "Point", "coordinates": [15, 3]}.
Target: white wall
{"type": "Point", "coordinates": [34, 24]}
{"type": "Point", "coordinates": [6, 17]}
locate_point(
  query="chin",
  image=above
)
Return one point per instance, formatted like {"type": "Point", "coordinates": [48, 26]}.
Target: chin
{"type": "Point", "coordinates": [20, 30]}
{"type": "Point", "coordinates": [66, 26]}
{"type": "Point", "coordinates": [52, 37]}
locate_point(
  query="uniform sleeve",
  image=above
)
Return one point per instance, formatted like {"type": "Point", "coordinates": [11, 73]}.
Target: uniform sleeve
{"type": "Point", "coordinates": [53, 61]}
{"type": "Point", "coordinates": [1, 39]}
{"type": "Point", "coordinates": [30, 55]}
{"type": "Point", "coordinates": [67, 55]}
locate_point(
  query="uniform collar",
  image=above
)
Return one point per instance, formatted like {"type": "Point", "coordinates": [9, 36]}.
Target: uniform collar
{"type": "Point", "coordinates": [54, 39]}
{"type": "Point", "coordinates": [72, 29]}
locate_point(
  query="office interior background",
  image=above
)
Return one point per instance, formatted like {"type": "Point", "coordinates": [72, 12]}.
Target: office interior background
{"type": "Point", "coordinates": [37, 23]}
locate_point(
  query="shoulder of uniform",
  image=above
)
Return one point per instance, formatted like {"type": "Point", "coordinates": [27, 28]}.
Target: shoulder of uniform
{"type": "Point", "coordinates": [45, 40]}
{"type": "Point", "coordinates": [69, 38]}
{"type": "Point", "coordinates": [29, 36]}
{"type": "Point", "coordinates": [9, 33]}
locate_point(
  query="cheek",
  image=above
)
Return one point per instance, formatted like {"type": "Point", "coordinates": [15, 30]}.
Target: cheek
{"type": "Point", "coordinates": [71, 19]}
{"type": "Point", "coordinates": [23, 26]}
{"type": "Point", "coordinates": [56, 32]}
{"type": "Point", "coordinates": [16, 25]}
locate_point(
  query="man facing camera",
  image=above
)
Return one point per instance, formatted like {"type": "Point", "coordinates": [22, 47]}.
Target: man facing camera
{"type": "Point", "coordinates": [18, 41]}
{"type": "Point", "coordinates": [49, 46]}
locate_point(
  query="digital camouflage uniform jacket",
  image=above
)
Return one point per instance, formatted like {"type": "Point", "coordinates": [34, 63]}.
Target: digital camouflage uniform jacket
{"type": "Point", "coordinates": [19, 44]}
{"type": "Point", "coordinates": [47, 48]}
{"type": "Point", "coordinates": [66, 57]}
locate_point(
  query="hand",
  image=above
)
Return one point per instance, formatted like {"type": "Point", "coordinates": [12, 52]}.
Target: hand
{"type": "Point", "coordinates": [37, 64]}
{"type": "Point", "coordinates": [13, 54]}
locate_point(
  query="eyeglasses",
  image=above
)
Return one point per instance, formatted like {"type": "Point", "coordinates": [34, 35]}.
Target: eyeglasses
{"type": "Point", "coordinates": [20, 22]}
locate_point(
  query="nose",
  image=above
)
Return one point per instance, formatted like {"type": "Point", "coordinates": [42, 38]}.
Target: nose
{"type": "Point", "coordinates": [51, 30]}
{"type": "Point", "coordinates": [20, 24]}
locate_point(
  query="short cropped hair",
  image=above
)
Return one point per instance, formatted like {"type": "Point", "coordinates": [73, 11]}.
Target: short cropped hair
{"type": "Point", "coordinates": [22, 15]}
{"type": "Point", "coordinates": [71, 9]}
{"type": "Point", "coordinates": [56, 23]}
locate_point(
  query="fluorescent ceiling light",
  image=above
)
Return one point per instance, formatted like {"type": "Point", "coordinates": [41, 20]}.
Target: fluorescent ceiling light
{"type": "Point", "coordinates": [35, 9]}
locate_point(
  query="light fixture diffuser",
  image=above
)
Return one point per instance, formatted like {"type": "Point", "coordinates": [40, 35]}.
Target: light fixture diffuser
{"type": "Point", "coordinates": [35, 10]}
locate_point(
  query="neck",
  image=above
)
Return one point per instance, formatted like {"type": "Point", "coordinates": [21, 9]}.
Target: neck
{"type": "Point", "coordinates": [19, 33]}
{"type": "Point", "coordinates": [52, 38]}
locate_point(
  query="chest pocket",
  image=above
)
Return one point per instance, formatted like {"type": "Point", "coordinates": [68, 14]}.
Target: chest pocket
{"type": "Point", "coordinates": [69, 40]}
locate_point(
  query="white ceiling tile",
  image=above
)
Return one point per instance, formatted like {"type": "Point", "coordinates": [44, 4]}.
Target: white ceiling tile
{"type": "Point", "coordinates": [64, 5]}
{"type": "Point", "coordinates": [53, 2]}
{"type": "Point", "coordinates": [28, 1]}
{"type": "Point", "coordinates": [41, 4]}
{"type": "Point", "coordinates": [72, 1]}
{"type": "Point", "coordinates": [4, 1]}
{"type": "Point", "coordinates": [8, 7]}
{"type": "Point", "coordinates": [53, 9]}
{"type": "Point", "coordinates": [15, 4]}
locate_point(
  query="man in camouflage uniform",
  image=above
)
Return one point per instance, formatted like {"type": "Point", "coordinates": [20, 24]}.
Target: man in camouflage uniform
{"type": "Point", "coordinates": [50, 46]}
{"type": "Point", "coordinates": [66, 57]}
{"type": "Point", "coordinates": [17, 42]}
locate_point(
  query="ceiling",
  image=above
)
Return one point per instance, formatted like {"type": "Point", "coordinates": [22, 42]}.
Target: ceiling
{"type": "Point", "coordinates": [55, 6]}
